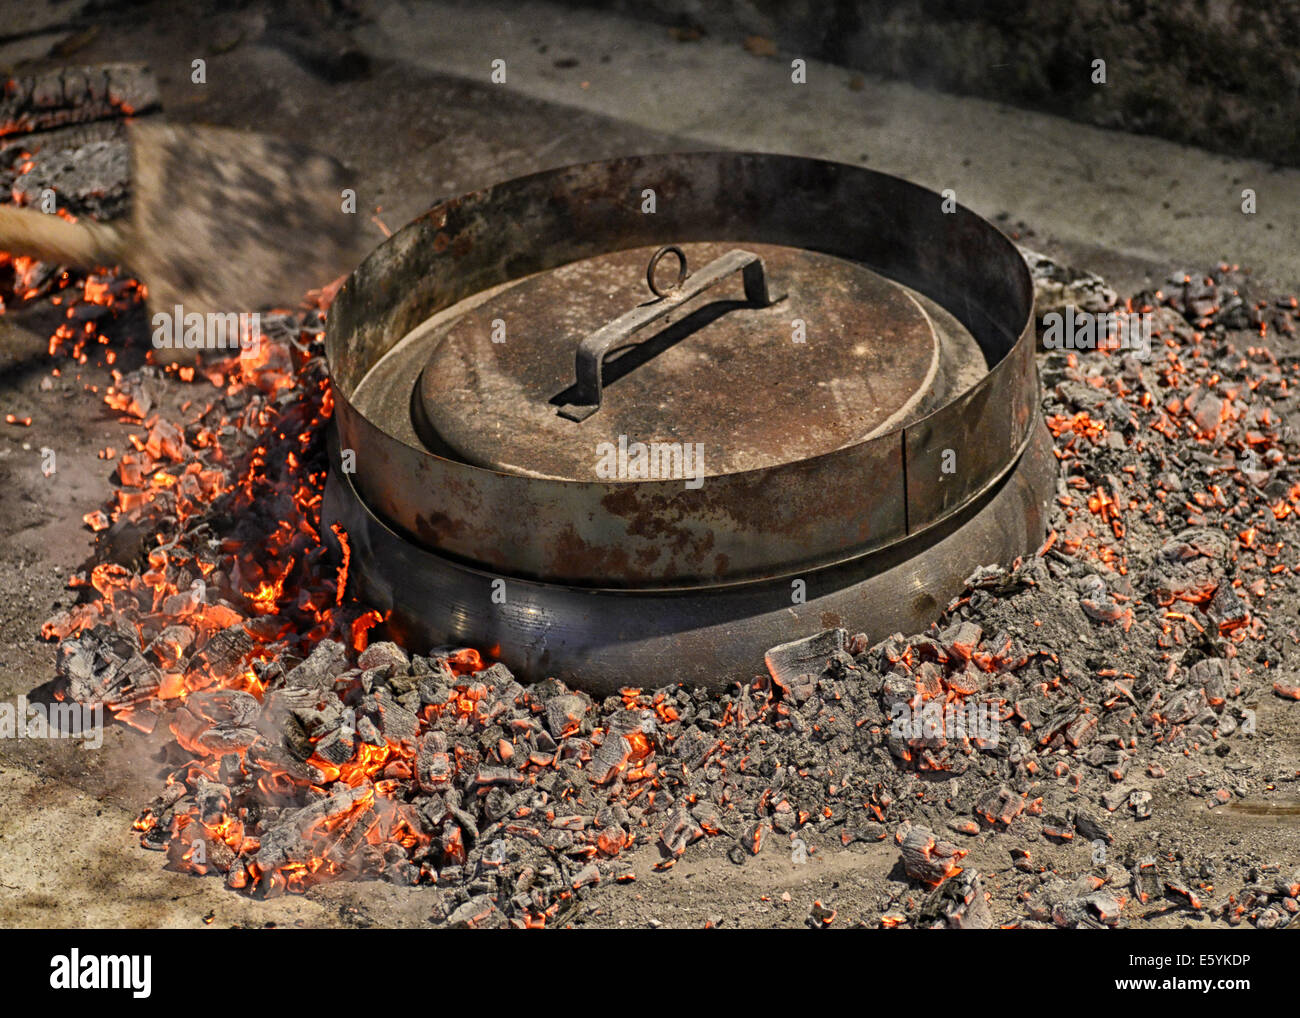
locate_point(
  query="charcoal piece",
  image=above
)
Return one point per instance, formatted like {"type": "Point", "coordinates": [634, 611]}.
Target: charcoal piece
{"type": "Point", "coordinates": [860, 827]}
{"type": "Point", "coordinates": [395, 722]}
{"type": "Point", "coordinates": [478, 913]}
{"type": "Point", "coordinates": [898, 689]}
{"type": "Point", "coordinates": [224, 654]}
{"type": "Point", "coordinates": [959, 904]}
{"type": "Point", "coordinates": [382, 653]}
{"type": "Point", "coordinates": [91, 180]}
{"type": "Point", "coordinates": [1189, 566]}
{"type": "Point", "coordinates": [289, 841]}
{"type": "Point", "coordinates": [433, 766]}
{"type": "Point", "coordinates": [786, 662]}
{"type": "Point", "coordinates": [221, 739]}
{"type": "Point", "coordinates": [1227, 609]}
{"type": "Point", "coordinates": [930, 861]}
{"type": "Point", "coordinates": [224, 705]}
{"type": "Point", "coordinates": [1000, 806]}
{"type": "Point", "coordinates": [564, 714]}
{"type": "Point", "coordinates": [962, 640]}
{"type": "Point", "coordinates": [1033, 710]}
{"type": "Point", "coordinates": [587, 876]}
{"type": "Point", "coordinates": [609, 758]}
{"type": "Point", "coordinates": [435, 687]}
{"type": "Point", "coordinates": [327, 660]}
{"type": "Point", "coordinates": [678, 832]}
{"type": "Point", "coordinates": [103, 666]}
{"type": "Point", "coordinates": [497, 777]}
{"type": "Point", "coordinates": [369, 733]}
{"type": "Point", "coordinates": [338, 747]}
{"type": "Point", "coordinates": [1090, 828]}
{"type": "Point", "coordinates": [498, 678]}
{"type": "Point", "coordinates": [1210, 672]}
{"type": "Point", "coordinates": [71, 95]}
{"type": "Point", "coordinates": [1103, 756]}
{"type": "Point", "coordinates": [278, 704]}
{"type": "Point", "coordinates": [1057, 828]}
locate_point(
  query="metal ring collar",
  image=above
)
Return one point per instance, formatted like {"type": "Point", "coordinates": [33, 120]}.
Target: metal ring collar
{"type": "Point", "coordinates": [654, 264]}
{"type": "Point", "coordinates": [740, 526]}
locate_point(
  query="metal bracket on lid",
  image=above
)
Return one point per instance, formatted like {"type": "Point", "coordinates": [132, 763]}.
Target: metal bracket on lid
{"type": "Point", "coordinates": [589, 361]}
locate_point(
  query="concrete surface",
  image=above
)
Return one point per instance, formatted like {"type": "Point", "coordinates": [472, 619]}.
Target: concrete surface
{"type": "Point", "coordinates": [1109, 197]}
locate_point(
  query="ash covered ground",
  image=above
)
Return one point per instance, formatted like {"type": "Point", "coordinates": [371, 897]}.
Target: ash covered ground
{"type": "Point", "coordinates": [1140, 668]}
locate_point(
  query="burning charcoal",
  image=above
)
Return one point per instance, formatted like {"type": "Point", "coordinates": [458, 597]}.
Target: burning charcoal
{"type": "Point", "coordinates": [477, 913]}
{"type": "Point", "coordinates": [489, 777]}
{"type": "Point", "coordinates": [962, 639]}
{"type": "Point", "coordinates": [859, 827]}
{"type": "Point", "coordinates": [1106, 905]}
{"type": "Point", "coordinates": [959, 904]}
{"type": "Point", "coordinates": [788, 661]}
{"type": "Point", "coordinates": [91, 179]}
{"type": "Point", "coordinates": [435, 687]}
{"type": "Point", "coordinates": [287, 841]}
{"type": "Point", "coordinates": [1146, 883]}
{"type": "Point", "coordinates": [1189, 566]}
{"type": "Point", "coordinates": [326, 660]}
{"type": "Point", "coordinates": [500, 680]}
{"type": "Point", "coordinates": [1140, 803]}
{"type": "Point", "coordinates": [609, 758]}
{"type": "Point", "coordinates": [171, 644]}
{"type": "Point", "coordinates": [279, 703]}
{"type": "Point", "coordinates": [1000, 806]}
{"type": "Point", "coordinates": [368, 733]}
{"type": "Point", "coordinates": [564, 715]}
{"type": "Point", "coordinates": [987, 578]}
{"type": "Point", "coordinates": [679, 831]}
{"type": "Point", "coordinates": [231, 706]}
{"type": "Point", "coordinates": [1286, 691]}
{"type": "Point", "coordinates": [929, 861]}
{"type": "Point", "coordinates": [71, 95]}
{"type": "Point", "coordinates": [753, 841]}
{"type": "Point", "coordinates": [433, 768]}
{"type": "Point", "coordinates": [395, 721]}
{"type": "Point", "coordinates": [1057, 828]}
{"type": "Point", "coordinates": [1227, 609]}
{"type": "Point", "coordinates": [383, 654]}
{"type": "Point", "coordinates": [338, 747]}
{"type": "Point", "coordinates": [588, 875]}
{"type": "Point", "coordinates": [221, 739]}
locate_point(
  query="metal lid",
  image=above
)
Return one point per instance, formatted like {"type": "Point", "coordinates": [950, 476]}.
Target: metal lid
{"type": "Point", "coordinates": [756, 355]}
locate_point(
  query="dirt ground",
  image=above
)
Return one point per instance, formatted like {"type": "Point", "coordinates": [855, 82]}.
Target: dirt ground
{"type": "Point", "coordinates": [68, 856]}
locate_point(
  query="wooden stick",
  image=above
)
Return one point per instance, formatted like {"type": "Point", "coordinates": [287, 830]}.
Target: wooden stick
{"type": "Point", "coordinates": [51, 238]}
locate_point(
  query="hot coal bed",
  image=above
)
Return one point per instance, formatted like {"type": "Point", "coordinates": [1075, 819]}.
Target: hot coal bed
{"type": "Point", "coordinates": [1058, 704]}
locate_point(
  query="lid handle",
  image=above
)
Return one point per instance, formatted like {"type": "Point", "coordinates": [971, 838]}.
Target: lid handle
{"type": "Point", "coordinates": [589, 362]}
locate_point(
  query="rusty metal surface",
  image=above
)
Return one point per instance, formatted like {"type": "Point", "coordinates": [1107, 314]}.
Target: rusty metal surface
{"type": "Point", "coordinates": [740, 526]}
{"type": "Point", "coordinates": [604, 640]}
{"type": "Point", "coordinates": [725, 377]}
{"type": "Point", "coordinates": [589, 361]}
